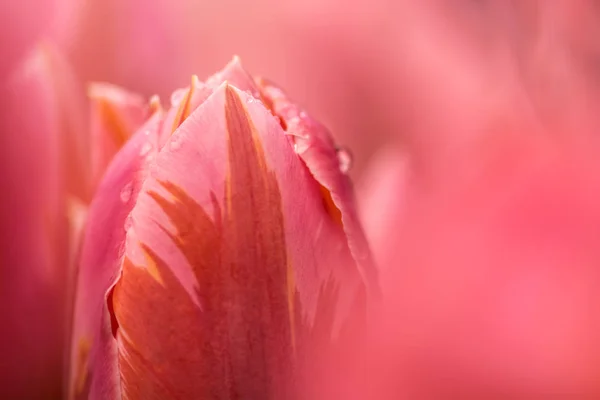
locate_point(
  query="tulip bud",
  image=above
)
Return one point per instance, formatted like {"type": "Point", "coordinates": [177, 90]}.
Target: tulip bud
{"type": "Point", "coordinates": [223, 254]}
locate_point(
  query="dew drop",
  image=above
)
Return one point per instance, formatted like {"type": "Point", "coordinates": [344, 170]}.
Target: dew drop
{"type": "Point", "coordinates": [145, 149]}
{"type": "Point", "coordinates": [301, 144]}
{"type": "Point", "coordinates": [344, 159]}
{"type": "Point", "coordinates": [177, 96]}
{"type": "Point", "coordinates": [294, 121]}
{"type": "Point", "coordinates": [174, 144]}
{"type": "Point", "coordinates": [250, 99]}
{"type": "Point", "coordinates": [126, 192]}
{"type": "Point", "coordinates": [128, 223]}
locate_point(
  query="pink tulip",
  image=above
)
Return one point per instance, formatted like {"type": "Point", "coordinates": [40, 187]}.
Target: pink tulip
{"type": "Point", "coordinates": [43, 180]}
{"type": "Point", "coordinates": [223, 254]}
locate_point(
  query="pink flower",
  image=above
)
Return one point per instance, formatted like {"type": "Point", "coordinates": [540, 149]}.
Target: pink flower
{"type": "Point", "coordinates": [223, 255]}
{"type": "Point", "coordinates": [44, 182]}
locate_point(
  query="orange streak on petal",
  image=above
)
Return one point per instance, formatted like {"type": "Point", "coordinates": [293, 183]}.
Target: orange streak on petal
{"type": "Point", "coordinates": [83, 353]}
{"type": "Point", "coordinates": [184, 109]}
{"type": "Point", "coordinates": [114, 124]}
{"type": "Point", "coordinates": [154, 104]}
{"type": "Point", "coordinates": [240, 342]}
{"type": "Point", "coordinates": [260, 260]}
{"type": "Point", "coordinates": [152, 268]}
{"type": "Point", "coordinates": [333, 211]}
{"type": "Point", "coordinates": [160, 335]}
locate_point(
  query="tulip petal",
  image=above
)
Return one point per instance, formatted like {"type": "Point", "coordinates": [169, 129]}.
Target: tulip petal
{"type": "Point", "coordinates": [115, 116]}
{"type": "Point", "coordinates": [316, 148]}
{"type": "Point", "coordinates": [185, 101]}
{"type": "Point", "coordinates": [34, 234]}
{"type": "Point", "coordinates": [69, 100]}
{"type": "Point", "coordinates": [100, 263]}
{"type": "Point", "coordinates": [231, 261]}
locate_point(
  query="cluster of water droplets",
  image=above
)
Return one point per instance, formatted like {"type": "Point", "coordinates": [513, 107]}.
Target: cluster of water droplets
{"type": "Point", "coordinates": [303, 142]}
{"type": "Point", "coordinates": [175, 142]}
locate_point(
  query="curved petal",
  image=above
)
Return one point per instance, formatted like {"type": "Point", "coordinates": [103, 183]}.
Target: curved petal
{"type": "Point", "coordinates": [115, 115]}
{"type": "Point", "coordinates": [93, 346]}
{"type": "Point", "coordinates": [232, 262]}
{"type": "Point", "coordinates": [184, 101]}
{"type": "Point", "coordinates": [66, 97]}
{"type": "Point", "coordinates": [34, 234]}
{"type": "Point", "coordinates": [328, 164]}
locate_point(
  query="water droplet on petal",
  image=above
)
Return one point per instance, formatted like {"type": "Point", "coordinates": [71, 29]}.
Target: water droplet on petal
{"type": "Point", "coordinates": [301, 144]}
{"type": "Point", "coordinates": [294, 121]}
{"type": "Point", "coordinates": [250, 99]}
{"type": "Point", "coordinates": [175, 143]}
{"type": "Point", "coordinates": [344, 159]}
{"type": "Point", "coordinates": [126, 192]}
{"type": "Point", "coordinates": [128, 223]}
{"type": "Point", "coordinates": [145, 149]}
{"type": "Point", "coordinates": [177, 96]}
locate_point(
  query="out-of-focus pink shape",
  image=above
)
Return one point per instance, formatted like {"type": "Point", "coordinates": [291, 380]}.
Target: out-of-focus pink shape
{"type": "Point", "coordinates": [383, 190]}
{"type": "Point", "coordinates": [128, 43]}
{"type": "Point", "coordinates": [489, 273]}
{"type": "Point", "coordinates": [22, 23]}
{"type": "Point", "coordinates": [34, 263]}
{"type": "Point", "coordinates": [116, 114]}
{"type": "Point", "coordinates": [73, 122]}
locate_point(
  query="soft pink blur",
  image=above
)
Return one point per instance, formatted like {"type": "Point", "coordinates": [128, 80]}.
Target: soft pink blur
{"type": "Point", "coordinates": [490, 276]}
{"type": "Point", "coordinates": [372, 71]}
{"type": "Point", "coordinates": [34, 235]}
